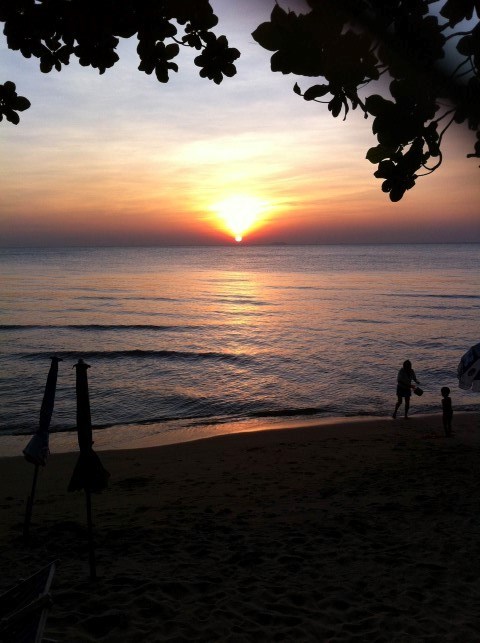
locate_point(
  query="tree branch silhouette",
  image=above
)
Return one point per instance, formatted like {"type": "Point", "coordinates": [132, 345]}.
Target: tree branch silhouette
{"type": "Point", "coordinates": [355, 44]}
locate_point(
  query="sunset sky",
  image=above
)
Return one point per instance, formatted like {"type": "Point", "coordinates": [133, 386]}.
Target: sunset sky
{"type": "Point", "coordinates": [121, 159]}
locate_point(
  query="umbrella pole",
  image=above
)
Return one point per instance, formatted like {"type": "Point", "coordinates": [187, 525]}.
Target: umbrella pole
{"type": "Point", "coordinates": [29, 508]}
{"type": "Point", "coordinates": [91, 550]}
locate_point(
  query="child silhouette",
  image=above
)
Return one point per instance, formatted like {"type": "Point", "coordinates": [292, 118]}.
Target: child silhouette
{"type": "Point", "coordinates": [447, 410]}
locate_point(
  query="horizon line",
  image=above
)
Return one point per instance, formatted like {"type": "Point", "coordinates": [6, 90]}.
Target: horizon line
{"type": "Point", "coordinates": [239, 245]}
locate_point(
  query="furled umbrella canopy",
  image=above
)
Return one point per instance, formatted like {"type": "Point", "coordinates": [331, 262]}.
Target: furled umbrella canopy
{"type": "Point", "coordinates": [89, 473]}
{"type": "Point", "coordinates": [468, 371]}
{"type": "Point", "coordinates": [37, 450]}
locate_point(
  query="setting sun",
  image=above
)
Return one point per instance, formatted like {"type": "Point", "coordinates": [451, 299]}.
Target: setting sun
{"type": "Point", "coordinates": [239, 214]}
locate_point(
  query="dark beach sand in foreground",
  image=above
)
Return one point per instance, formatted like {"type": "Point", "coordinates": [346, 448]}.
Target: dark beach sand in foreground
{"type": "Point", "coordinates": [363, 531]}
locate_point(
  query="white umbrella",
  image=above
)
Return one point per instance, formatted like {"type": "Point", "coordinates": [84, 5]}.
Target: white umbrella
{"type": "Point", "coordinates": [468, 371]}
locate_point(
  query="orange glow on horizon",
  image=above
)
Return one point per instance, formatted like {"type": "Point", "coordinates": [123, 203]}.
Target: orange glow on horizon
{"type": "Point", "coordinates": [239, 214]}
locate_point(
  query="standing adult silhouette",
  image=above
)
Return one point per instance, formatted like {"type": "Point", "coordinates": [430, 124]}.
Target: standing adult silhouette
{"type": "Point", "coordinates": [406, 375]}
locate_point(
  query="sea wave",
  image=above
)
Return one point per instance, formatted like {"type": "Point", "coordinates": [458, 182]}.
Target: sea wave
{"type": "Point", "coordinates": [96, 327]}
{"type": "Point", "coordinates": [113, 298]}
{"type": "Point", "coordinates": [383, 322]}
{"type": "Point", "coordinates": [173, 422]}
{"type": "Point", "coordinates": [24, 428]}
{"type": "Point", "coordinates": [289, 412]}
{"type": "Point", "coordinates": [430, 296]}
{"type": "Point", "coordinates": [139, 354]}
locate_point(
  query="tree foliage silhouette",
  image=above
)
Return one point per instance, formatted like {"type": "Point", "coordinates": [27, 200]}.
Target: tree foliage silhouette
{"type": "Point", "coordinates": [55, 30]}
{"type": "Point", "coordinates": [399, 46]}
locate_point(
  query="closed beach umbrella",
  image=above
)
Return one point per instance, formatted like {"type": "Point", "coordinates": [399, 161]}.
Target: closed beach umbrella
{"type": "Point", "coordinates": [37, 450]}
{"type": "Point", "coordinates": [468, 371]}
{"type": "Point", "coordinates": [89, 473]}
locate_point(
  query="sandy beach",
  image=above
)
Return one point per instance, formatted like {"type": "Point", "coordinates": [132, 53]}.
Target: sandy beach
{"type": "Point", "coordinates": [354, 531]}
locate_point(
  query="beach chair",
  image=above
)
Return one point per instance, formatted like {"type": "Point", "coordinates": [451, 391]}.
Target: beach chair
{"type": "Point", "coordinates": [24, 608]}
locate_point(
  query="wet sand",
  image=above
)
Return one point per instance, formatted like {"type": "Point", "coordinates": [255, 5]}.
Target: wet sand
{"type": "Point", "coordinates": [358, 531]}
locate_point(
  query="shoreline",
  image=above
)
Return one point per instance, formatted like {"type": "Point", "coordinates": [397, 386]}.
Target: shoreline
{"type": "Point", "coordinates": [125, 437]}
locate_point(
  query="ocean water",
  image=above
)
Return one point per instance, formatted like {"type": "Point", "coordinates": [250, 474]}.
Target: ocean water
{"type": "Point", "coordinates": [179, 337]}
